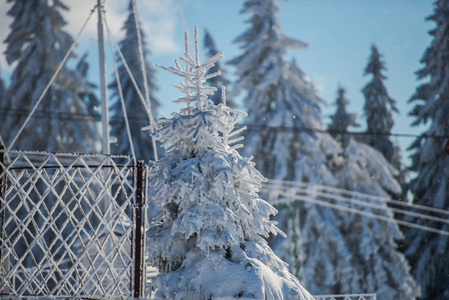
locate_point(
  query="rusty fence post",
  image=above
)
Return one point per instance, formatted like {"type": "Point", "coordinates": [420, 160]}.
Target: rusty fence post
{"type": "Point", "coordinates": [2, 206]}
{"type": "Point", "coordinates": [2, 183]}
{"type": "Point", "coordinates": [138, 236]}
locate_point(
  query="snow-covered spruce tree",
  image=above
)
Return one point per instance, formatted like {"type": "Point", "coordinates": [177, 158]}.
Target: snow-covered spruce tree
{"type": "Point", "coordinates": [377, 266]}
{"type": "Point", "coordinates": [136, 111]}
{"type": "Point", "coordinates": [429, 252]}
{"type": "Point", "coordinates": [378, 111]}
{"type": "Point", "coordinates": [210, 242]}
{"type": "Point", "coordinates": [220, 80]}
{"type": "Point", "coordinates": [285, 124]}
{"type": "Point", "coordinates": [375, 263]}
{"type": "Point", "coordinates": [342, 120]}
{"type": "Point", "coordinates": [38, 44]}
{"type": "Point", "coordinates": [279, 96]}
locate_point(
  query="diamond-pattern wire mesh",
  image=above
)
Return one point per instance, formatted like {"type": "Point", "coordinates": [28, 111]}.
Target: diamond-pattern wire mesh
{"type": "Point", "coordinates": [66, 225]}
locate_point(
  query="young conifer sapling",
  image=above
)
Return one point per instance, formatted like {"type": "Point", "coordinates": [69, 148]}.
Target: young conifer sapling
{"type": "Point", "coordinates": [209, 241]}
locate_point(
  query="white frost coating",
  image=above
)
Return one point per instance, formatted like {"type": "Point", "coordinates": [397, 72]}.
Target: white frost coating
{"type": "Point", "coordinates": [323, 244]}
{"type": "Point", "coordinates": [219, 81]}
{"type": "Point", "coordinates": [376, 263]}
{"type": "Point", "coordinates": [430, 162]}
{"type": "Point", "coordinates": [245, 275]}
{"type": "Point", "coordinates": [372, 163]}
{"type": "Point", "coordinates": [208, 243]}
{"type": "Point", "coordinates": [280, 96]}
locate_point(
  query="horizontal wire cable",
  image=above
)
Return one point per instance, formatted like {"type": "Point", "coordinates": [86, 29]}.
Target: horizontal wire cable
{"type": "Point", "coordinates": [251, 127]}
{"type": "Point", "coordinates": [309, 197]}
{"type": "Point", "coordinates": [332, 196]}
{"type": "Point", "coordinates": [364, 213]}
{"type": "Point", "coordinates": [258, 127]}
{"type": "Point", "coordinates": [359, 194]}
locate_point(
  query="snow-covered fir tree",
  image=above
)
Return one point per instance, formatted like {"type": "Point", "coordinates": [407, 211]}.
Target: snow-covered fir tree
{"type": "Point", "coordinates": [210, 242]}
{"type": "Point", "coordinates": [283, 107]}
{"type": "Point", "coordinates": [378, 110]}
{"type": "Point", "coordinates": [429, 252]}
{"type": "Point", "coordinates": [220, 80]}
{"type": "Point", "coordinates": [371, 244]}
{"type": "Point", "coordinates": [376, 264]}
{"type": "Point", "coordinates": [342, 120]}
{"type": "Point", "coordinates": [284, 118]}
{"type": "Point", "coordinates": [37, 44]}
{"type": "Point", "coordinates": [135, 109]}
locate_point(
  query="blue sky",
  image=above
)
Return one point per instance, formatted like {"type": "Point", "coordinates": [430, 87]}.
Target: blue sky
{"type": "Point", "coordinates": [339, 34]}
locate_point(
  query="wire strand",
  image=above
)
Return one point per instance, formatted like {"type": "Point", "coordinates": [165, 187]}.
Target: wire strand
{"type": "Point", "coordinates": [254, 127]}
{"type": "Point", "coordinates": [366, 204]}
{"type": "Point", "coordinates": [311, 191]}
{"type": "Point", "coordinates": [367, 214]}
{"type": "Point", "coordinates": [258, 127]}
{"type": "Point", "coordinates": [125, 64]}
{"type": "Point", "coordinates": [50, 83]}
{"type": "Point", "coordinates": [122, 101]}
{"type": "Point", "coordinates": [144, 74]}
{"type": "Point", "coordinates": [182, 16]}
{"type": "Point", "coordinates": [360, 195]}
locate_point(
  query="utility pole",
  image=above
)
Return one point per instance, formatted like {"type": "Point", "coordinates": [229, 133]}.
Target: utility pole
{"type": "Point", "coordinates": [103, 86]}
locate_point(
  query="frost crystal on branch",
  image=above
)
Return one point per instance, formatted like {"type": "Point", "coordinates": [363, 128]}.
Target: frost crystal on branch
{"type": "Point", "coordinates": [194, 74]}
{"type": "Point", "coordinates": [208, 241]}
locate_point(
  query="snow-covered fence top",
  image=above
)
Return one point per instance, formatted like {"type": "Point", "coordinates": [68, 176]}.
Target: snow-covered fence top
{"type": "Point", "coordinates": [67, 222]}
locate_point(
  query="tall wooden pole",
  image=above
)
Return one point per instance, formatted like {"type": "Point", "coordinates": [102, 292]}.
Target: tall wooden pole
{"type": "Point", "coordinates": [103, 86]}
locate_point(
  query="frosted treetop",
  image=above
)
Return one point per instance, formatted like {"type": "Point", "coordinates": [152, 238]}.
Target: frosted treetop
{"type": "Point", "coordinates": [199, 108]}
{"type": "Point", "coordinates": [195, 76]}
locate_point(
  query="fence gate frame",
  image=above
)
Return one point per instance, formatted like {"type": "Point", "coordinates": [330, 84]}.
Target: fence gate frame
{"type": "Point", "coordinates": [131, 182]}
{"type": "Point", "coordinates": [138, 240]}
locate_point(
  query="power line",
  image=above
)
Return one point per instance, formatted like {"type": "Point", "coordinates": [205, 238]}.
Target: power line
{"type": "Point", "coordinates": [366, 204]}
{"type": "Point", "coordinates": [334, 190]}
{"type": "Point", "coordinates": [367, 214]}
{"type": "Point", "coordinates": [72, 116]}
{"type": "Point", "coordinates": [309, 193]}
{"type": "Point", "coordinates": [250, 127]}
{"type": "Point", "coordinates": [258, 127]}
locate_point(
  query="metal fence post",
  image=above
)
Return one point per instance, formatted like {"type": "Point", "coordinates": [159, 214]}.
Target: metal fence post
{"type": "Point", "coordinates": [2, 210]}
{"type": "Point", "coordinates": [3, 264]}
{"type": "Point", "coordinates": [138, 257]}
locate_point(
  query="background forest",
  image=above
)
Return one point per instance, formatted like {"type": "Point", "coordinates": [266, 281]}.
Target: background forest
{"type": "Point", "coordinates": [346, 131]}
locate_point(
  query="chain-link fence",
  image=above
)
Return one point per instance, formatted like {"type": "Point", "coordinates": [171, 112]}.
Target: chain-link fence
{"type": "Point", "coordinates": [71, 225]}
